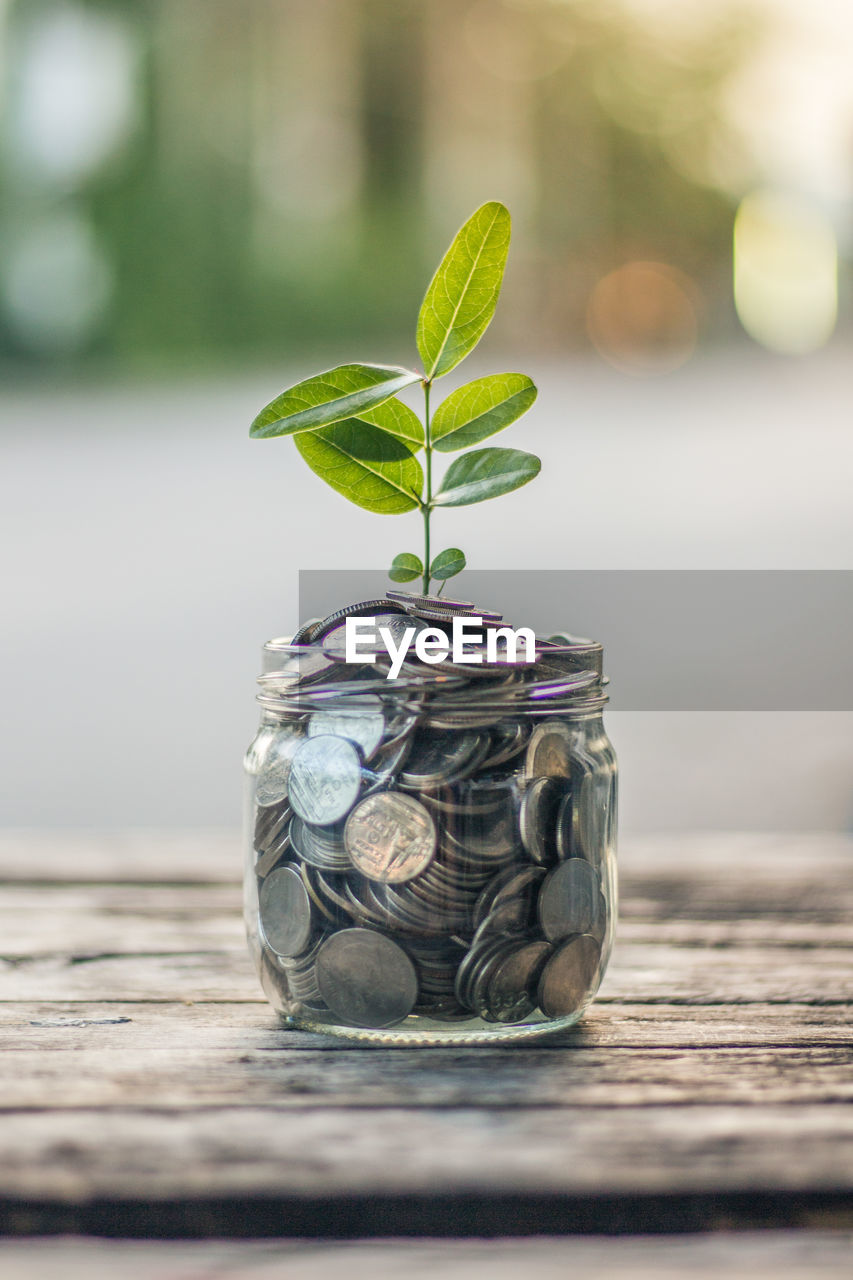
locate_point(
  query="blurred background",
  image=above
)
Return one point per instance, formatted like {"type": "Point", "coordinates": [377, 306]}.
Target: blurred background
{"type": "Point", "coordinates": [203, 200]}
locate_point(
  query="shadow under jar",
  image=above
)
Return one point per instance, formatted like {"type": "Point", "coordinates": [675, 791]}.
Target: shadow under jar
{"type": "Point", "coordinates": [429, 859]}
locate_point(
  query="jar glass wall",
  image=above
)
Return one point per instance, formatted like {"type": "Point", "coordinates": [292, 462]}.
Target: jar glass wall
{"type": "Point", "coordinates": [430, 859]}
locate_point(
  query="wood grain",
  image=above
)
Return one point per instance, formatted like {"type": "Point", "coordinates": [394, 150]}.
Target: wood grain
{"type": "Point", "coordinates": [766, 1255]}
{"type": "Point", "coordinates": [146, 1087]}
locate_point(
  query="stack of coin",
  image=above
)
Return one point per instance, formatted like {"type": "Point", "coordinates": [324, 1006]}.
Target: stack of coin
{"type": "Point", "coordinates": [433, 846]}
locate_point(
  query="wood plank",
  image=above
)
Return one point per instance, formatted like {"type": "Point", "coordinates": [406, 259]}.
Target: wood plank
{"type": "Point", "coordinates": [145, 856]}
{"type": "Point", "coordinates": [709, 1083]}
{"type": "Point", "coordinates": [766, 1255]}
{"type": "Point", "coordinates": [85, 920]}
{"type": "Point", "coordinates": [245, 1027]}
{"type": "Point", "coordinates": [75, 1156]}
{"type": "Point", "coordinates": [189, 1076]}
{"type": "Point", "coordinates": [639, 973]}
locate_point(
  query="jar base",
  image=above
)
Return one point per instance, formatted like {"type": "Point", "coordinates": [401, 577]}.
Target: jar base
{"type": "Point", "coordinates": [419, 1032]}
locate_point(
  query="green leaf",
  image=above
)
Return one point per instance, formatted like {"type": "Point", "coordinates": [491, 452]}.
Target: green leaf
{"type": "Point", "coordinates": [480, 408]}
{"type": "Point", "coordinates": [340, 393]}
{"type": "Point", "coordinates": [447, 563]}
{"type": "Point", "coordinates": [405, 567]}
{"type": "Point", "coordinates": [399, 420]}
{"type": "Point", "coordinates": [485, 473]}
{"type": "Point", "coordinates": [368, 466]}
{"type": "Point", "coordinates": [462, 296]}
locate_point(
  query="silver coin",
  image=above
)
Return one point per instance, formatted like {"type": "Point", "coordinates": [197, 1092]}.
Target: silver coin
{"type": "Point", "coordinates": [365, 978]}
{"type": "Point", "coordinates": [271, 823]}
{"type": "Point", "coordinates": [591, 818]}
{"type": "Point", "coordinates": [511, 991]}
{"type": "Point", "coordinates": [439, 757]}
{"type": "Point", "coordinates": [271, 786]}
{"type": "Point", "coordinates": [321, 847]}
{"type": "Point", "coordinates": [510, 897]}
{"type": "Point", "coordinates": [540, 807]}
{"type": "Point", "coordinates": [365, 609]}
{"type": "Point", "coordinates": [566, 980]}
{"type": "Point", "coordinates": [269, 860]}
{"type": "Point", "coordinates": [508, 740]}
{"type": "Point", "coordinates": [390, 837]}
{"type": "Point", "coordinates": [493, 836]}
{"type": "Point", "coordinates": [570, 900]}
{"type": "Point", "coordinates": [285, 912]}
{"type": "Point", "coordinates": [411, 599]}
{"type": "Point", "coordinates": [361, 722]}
{"type": "Point", "coordinates": [549, 751]}
{"type": "Point", "coordinates": [325, 779]}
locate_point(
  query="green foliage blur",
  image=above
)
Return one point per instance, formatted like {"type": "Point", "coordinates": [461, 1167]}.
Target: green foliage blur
{"type": "Point", "coordinates": [216, 183]}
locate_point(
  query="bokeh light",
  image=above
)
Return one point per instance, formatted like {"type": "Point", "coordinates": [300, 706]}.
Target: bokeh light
{"type": "Point", "coordinates": [56, 284]}
{"type": "Point", "coordinates": [785, 272]}
{"type": "Point", "coordinates": [72, 97]}
{"type": "Point", "coordinates": [643, 317]}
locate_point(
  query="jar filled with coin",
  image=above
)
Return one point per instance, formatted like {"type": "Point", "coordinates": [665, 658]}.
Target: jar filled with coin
{"type": "Point", "coordinates": [430, 858]}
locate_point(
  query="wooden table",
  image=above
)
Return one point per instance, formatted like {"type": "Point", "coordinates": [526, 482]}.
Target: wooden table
{"type": "Point", "coordinates": [147, 1090]}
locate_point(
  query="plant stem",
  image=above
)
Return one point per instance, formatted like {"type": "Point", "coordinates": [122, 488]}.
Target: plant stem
{"type": "Point", "coordinates": [427, 505]}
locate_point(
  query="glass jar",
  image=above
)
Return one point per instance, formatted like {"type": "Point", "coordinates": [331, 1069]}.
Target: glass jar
{"type": "Point", "coordinates": [429, 859]}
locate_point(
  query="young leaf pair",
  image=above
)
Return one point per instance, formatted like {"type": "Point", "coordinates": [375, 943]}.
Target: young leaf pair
{"type": "Point", "coordinates": [357, 435]}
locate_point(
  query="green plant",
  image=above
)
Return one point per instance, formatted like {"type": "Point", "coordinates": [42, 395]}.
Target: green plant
{"type": "Point", "coordinates": [355, 433]}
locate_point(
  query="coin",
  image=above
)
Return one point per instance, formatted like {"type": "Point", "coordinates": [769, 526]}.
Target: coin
{"type": "Point", "coordinates": [549, 751]}
{"type": "Point", "coordinates": [271, 786]}
{"type": "Point", "coordinates": [511, 989]}
{"type": "Point", "coordinates": [365, 978]}
{"type": "Point", "coordinates": [325, 779]}
{"type": "Point", "coordinates": [508, 739]}
{"type": "Point", "coordinates": [321, 847]}
{"type": "Point", "coordinates": [361, 722]}
{"type": "Point", "coordinates": [567, 978]}
{"type": "Point", "coordinates": [390, 837]}
{"type": "Point", "coordinates": [411, 600]}
{"type": "Point", "coordinates": [589, 827]}
{"type": "Point", "coordinates": [271, 824]}
{"type": "Point", "coordinates": [570, 900]}
{"type": "Point", "coordinates": [285, 912]}
{"type": "Point", "coordinates": [565, 819]}
{"type": "Point", "coordinates": [540, 807]}
{"type": "Point", "coordinates": [439, 757]}
{"type": "Point", "coordinates": [270, 859]}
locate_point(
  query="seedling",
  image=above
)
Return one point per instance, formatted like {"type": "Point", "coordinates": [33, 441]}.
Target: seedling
{"type": "Point", "coordinates": [357, 435]}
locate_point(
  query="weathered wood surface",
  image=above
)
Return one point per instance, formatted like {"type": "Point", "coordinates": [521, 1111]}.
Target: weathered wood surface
{"type": "Point", "coordinates": [766, 1255]}
{"type": "Point", "coordinates": [146, 1087]}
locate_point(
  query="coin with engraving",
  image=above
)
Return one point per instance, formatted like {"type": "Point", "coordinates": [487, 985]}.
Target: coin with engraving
{"type": "Point", "coordinates": [548, 751]}
{"type": "Point", "coordinates": [365, 978]}
{"type": "Point", "coordinates": [271, 786]}
{"type": "Point", "coordinates": [570, 900]}
{"type": "Point", "coordinates": [510, 993]}
{"type": "Point", "coordinates": [390, 837]}
{"type": "Point", "coordinates": [285, 912]}
{"type": "Point", "coordinates": [325, 779]}
{"type": "Point", "coordinates": [566, 980]}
